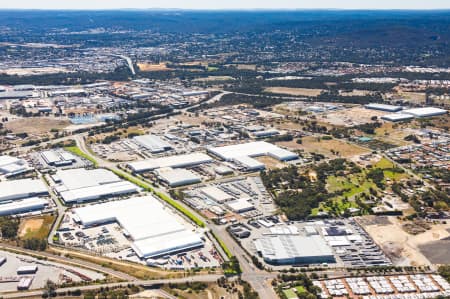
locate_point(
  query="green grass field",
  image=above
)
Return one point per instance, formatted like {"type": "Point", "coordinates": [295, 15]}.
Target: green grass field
{"type": "Point", "coordinates": [290, 294]}
{"type": "Point", "coordinates": [77, 151]}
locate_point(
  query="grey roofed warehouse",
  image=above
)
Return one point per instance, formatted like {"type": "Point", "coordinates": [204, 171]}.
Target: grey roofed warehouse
{"type": "Point", "coordinates": [153, 143]}
{"type": "Point", "coordinates": [294, 249]}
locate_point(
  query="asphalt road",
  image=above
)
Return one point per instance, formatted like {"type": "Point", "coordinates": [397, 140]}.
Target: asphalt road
{"type": "Point", "coordinates": [258, 279]}
{"type": "Point", "coordinates": [144, 283]}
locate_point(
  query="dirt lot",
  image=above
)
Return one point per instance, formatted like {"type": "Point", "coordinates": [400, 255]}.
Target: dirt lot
{"type": "Point", "coordinates": [150, 67]}
{"type": "Point", "coordinates": [307, 92]}
{"type": "Point", "coordinates": [33, 71]}
{"type": "Point", "coordinates": [270, 162]}
{"type": "Point", "coordinates": [350, 117]}
{"type": "Point", "coordinates": [324, 147]}
{"type": "Point", "coordinates": [405, 249]}
{"type": "Point", "coordinates": [36, 125]}
{"type": "Point", "coordinates": [30, 225]}
{"type": "Point", "coordinates": [36, 227]}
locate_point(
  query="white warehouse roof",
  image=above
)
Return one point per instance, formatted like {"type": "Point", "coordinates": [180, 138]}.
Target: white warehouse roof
{"type": "Point", "coordinates": [425, 112]}
{"type": "Point", "coordinates": [249, 163]}
{"type": "Point", "coordinates": [10, 166]}
{"type": "Point", "coordinates": [153, 143]}
{"type": "Point", "coordinates": [252, 149]}
{"type": "Point", "coordinates": [78, 185]}
{"type": "Point", "coordinates": [81, 178]}
{"type": "Point", "coordinates": [18, 189]}
{"type": "Point", "coordinates": [177, 177]}
{"type": "Point", "coordinates": [98, 192]}
{"type": "Point", "coordinates": [177, 161]}
{"type": "Point", "coordinates": [240, 205]}
{"type": "Point", "coordinates": [216, 194]}
{"type": "Point", "coordinates": [22, 206]}
{"type": "Point", "coordinates": [153, 227]}
{"type": "Point", "coordinates": [292, 249]}
{"type": "Point", "coordinates": [383, 107]}
{"type": "Point", "coordinates": [397, 117]}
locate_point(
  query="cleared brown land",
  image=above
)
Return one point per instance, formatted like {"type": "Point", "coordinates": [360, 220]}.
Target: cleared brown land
{"type": "Point", "coordinates": [405, 249]}
{"type": "Point", "coordinates": [324, 147]}
{"type": "Point", "coordinates": [30, 225]}
{"type": "Point", "coordinates": [307, 92]}
{"type": "Point", "coordinates": [36, 125]}
{"type": "Point", "coordinates": [270, 162]}
{"type": "Point", "coordinates": [151, 67]}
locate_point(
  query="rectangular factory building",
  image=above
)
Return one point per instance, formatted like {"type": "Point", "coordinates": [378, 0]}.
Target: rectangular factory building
{"type": "Point", "coordinates": [425, 112]}
{"type": "Point", "coordinates": [177, 177]}
{"type": "Point", "coordinates": [11, 166]}
{"type": "Point", "coordinates": [155, 230]}
{"type": "Point", "coordinates": [249, 164]}
{"type": "Point", "coordinates": [54, 158]}
{"type": "Point", "coordinates": [240, 205]}
{"type": "Point", "coordinates": [216, 194]}
{"type": "Point", "coordinates": [394, 117]}
{"type": "Point", "coordinates": [79, 185]}
{"type": "Point", "coordinates": [22, 206]}
{"type": "Point", "coordinates": [153, 143]}
{"type": "Point", "coordinates": [294, 249]}
{"type": "Point", "coordinates": [19, 189]}
{"type": "Point", "coordinates": [383, 107]}
{"type": "Point", "coordinates": [252, 149]}
{"type": "Point", "coordinates": [178, 161]}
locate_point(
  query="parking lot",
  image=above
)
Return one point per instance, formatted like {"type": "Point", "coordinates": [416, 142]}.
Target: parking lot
{"type": "Point", "coordinates": [39, 162]}
{"type": "Point", "coordinates": [58, 273]}
{"type": "Point", "coordinates": [250, 188]}
{"type": "Point", "coordinates": [112, 241]}
{"type": "Point", "coordinates": [351, 245]}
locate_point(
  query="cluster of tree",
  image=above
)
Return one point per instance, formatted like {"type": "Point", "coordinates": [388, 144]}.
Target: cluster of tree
{"type": "Point", "coordinates": [9, 227]}
{"type": "Point", "coordinates": [297, 194]}
{"type": "Point", "coordinates": [377, 176]}
{"type": "Point", "coordinates": [368, 128]}
{"type": "Point", "coordinates": [281, 138]}
{"type": "Point", "coordinates": [412, 138]}
{"type": "Point", "coordinates": [35, 244]}
{"type": "Point", "coordinates": [195, 286]}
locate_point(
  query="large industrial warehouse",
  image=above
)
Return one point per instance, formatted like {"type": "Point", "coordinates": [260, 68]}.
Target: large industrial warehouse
{"type": "Point", "coordinates": [177, 177]}
{"type": "Point", "coordinates": [252, 149]}
{"type": "Point", "coordinates": [294, 249]}
{"type": "Point", "coordinates": [80, 185]}
{"type": "Point", "coordinates": [155, 231]}
{"type": "Point", "coordinates": [10, 166]}
{"type": "Point", "coordinates": [153, 143]}
{"type": "Point", "coordinates": [177, 161]}
{"type": "Point", "coordinates": [425, 112]}
{"type": "Point", "coordinates": [19, 189]}
{"type": "Point", "coordinates": [22, 206]}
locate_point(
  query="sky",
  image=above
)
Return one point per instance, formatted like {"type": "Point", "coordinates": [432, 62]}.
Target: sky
{"type": "Point", "coordinates": [226, 4]}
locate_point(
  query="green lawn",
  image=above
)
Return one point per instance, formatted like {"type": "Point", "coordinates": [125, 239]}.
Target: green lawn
{"type": "Point", "coordinates": [290, 294]}
{"type": "Point", "coordinates": [300, 289]}
{"type": "Point", "coordinates": [386, 164]}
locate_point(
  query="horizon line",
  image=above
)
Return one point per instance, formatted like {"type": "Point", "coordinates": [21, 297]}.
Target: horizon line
{"type": "Point", "coordinates": [225, 9]}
